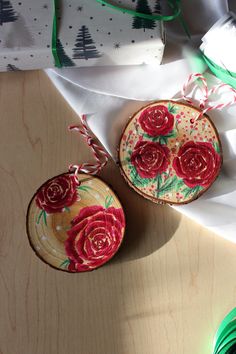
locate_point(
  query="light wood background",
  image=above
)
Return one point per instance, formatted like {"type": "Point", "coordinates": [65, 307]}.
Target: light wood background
{"type": "Point", "coordinates": [164, 293]}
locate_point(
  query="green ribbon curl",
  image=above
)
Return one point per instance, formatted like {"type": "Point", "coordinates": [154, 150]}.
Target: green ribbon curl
{"type": "Point", "coordinates": [225, 338]}
{"type": "Point", "coordinates": [173, 4]}
{"type": "Point", "coordinates": [225, 75]}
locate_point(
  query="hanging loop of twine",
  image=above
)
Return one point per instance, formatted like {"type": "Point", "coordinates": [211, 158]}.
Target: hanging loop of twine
{"type": "Point", "coordinates": [99, 153]}
{"type": "Point", "coordinates": [206, 93]}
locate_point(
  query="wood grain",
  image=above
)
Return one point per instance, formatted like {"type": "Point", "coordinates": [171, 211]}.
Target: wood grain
{"type": "Point", "coordinates": [165, 292]}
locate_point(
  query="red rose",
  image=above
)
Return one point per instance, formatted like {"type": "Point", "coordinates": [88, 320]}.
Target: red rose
{"type": "Point", "coordinates": [95, 236]}
{"type": "Point", "coordinates": [57, 194]}
{"type": "Point", "coordinates": [150, 159]}
{"type": "Point", "coordinates": [197, 163]}
{"type": "Point", "coordinates": [156, 120]}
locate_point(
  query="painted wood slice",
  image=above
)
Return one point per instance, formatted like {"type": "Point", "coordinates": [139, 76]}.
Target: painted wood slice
{"type": "Point", "coordinates": [168, 156]}
{"type": "Point", "coordinates": [75, 227]}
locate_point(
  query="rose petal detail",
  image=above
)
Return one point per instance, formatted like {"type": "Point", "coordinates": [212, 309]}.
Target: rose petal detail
{"type": "Point", "coordinates": [150, 159]}
{"type": "Point", "coordinates": [95, 236]}
{"type": "Point", "coordinates": [86, 212]}
{"type": "Point", "coordinates": [197, 163]}
{"type": "Point", "coordinates": [156, 120]}
{"type": "Point", "coordinates": [57, 194]}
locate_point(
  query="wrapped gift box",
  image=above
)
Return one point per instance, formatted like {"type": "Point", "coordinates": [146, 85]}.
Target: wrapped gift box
{"type": "Point", "coordinates": [89, 34]}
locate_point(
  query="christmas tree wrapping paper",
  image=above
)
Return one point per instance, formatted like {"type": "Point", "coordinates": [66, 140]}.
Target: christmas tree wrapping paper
{"type": "Point", "coordinates": [89, 34]}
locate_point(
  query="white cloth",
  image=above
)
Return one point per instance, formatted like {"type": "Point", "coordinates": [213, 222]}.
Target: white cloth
{"type": "Point", "coordinates": [133, 82]}
{"type": "Point", "coordinates": [110, 95]}
{"type": "Point", "coordinates": [107, 115]}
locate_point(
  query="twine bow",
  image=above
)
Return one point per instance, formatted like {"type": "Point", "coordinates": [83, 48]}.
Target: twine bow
{"type": "Point", "coordinates": [206, 93]}
{"type": "Point", "coordinates": [99, 153]}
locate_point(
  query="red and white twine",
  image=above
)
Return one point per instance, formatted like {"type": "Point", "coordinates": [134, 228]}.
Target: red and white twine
{"type": "Point", "coordinates": [99, 153]}
{"type": "Point", "coordinates": [206, 93]}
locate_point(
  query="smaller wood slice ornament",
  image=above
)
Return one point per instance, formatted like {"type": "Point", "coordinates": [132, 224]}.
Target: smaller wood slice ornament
{"type": "Point", "coordinates": [168, 155]}
{"type": "Point", "coordinates": [75, 226]}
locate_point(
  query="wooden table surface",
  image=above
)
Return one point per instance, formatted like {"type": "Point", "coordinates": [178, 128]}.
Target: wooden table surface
{"type": "Point", "coordinates": [164, 293]}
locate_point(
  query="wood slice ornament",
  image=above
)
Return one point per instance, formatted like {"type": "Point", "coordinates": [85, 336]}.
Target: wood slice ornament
{"type": "Point", "coordinates": [168, 155]}
{"type": "Point", "coordinates": [75, 222]}
{"type": "Point", "coordinates": [75, 227]}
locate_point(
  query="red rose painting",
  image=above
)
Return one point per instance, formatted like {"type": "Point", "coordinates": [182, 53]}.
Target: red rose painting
{"type": "Point", "coordinates": [150, 158]}
{"type": "Point", "coordinates": [95, 237]}
{"type": "Point", "coordinates": [156, 120]}
{"type": "Point", "coordinates": [57, 194]}
{"type": "Point", "coordinates": [197, 163]}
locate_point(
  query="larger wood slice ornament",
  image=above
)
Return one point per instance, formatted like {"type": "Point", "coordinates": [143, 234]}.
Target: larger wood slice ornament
{"type": "Point", "coordinates": [168, 155]}
{"type": "Point", "coordinates": [75, 222]}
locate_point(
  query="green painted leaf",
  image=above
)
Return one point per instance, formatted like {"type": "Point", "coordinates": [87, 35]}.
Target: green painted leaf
{"type": "Point", "coordinates": [156, 139]}
{"type": "Point", "coordinates": [67, 209]}
{"type": "Point", "coordinates": [188, 191]}
{"type": "Point", "coordinates": [199, 188]}
{"type": "Point", "coordinates": [45, 217]}
{"type": "Point", "coordinates": [171, 134]}
{"type": "Point", "coordinates": [138, 180]}
{"type": "Point", "coordinates": [168, 186]}
{"type": "Point", "coordinates": [179, 184]}
{"type": "Point", "coordinates": [108, 201]}
{"type": "Point", "coordinates": [147, 136]}
{"type": "Point", "coordinates": [172, 108]}
{"type": "Point", "coordinates": [65, 263]}
{"type": "Point", "coordinates": [217, 147]}
{"type": "Point", "coordinates": [84, 188]}
{"type": "Point", "coordinates": [159, 182]}
{"type": "Point", "coordinates": [175, 110]}
{"type": "Point", "coordinates": [40, 215]}
{"type": "Point", "coordinates": [175, 184]}
{"type": "Point", "coordinates": [171, 184]}
{"type": "Point", "coordinates": [163, 140]}
{"type": "Point", "coordinates": [152, 138]}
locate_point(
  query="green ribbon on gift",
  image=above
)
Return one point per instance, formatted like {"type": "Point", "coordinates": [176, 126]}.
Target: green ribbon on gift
{"type": "Point", "coordinates": [225, 338]}
{"type": "Point", "coordinates": [174, 5]}
{"type": "Point", "coordinates": [54, 35]}
{"type": "Point", "coordinates": [225, 75]}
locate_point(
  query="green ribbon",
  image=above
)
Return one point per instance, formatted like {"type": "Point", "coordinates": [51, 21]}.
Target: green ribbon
{"type": "Point", "coordinates": [54, 35]}
{"type": "Point", "coordinates": [225, 75]}
{"type": "Point", "coordinates": [225, 338]}
{"type": "Point", "coordinates": [174, 5]}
